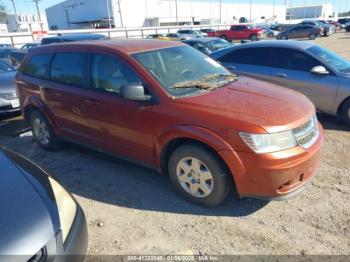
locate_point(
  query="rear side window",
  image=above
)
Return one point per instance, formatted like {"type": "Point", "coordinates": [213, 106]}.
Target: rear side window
{"type": "Point", "coordinates": [248, 56]}
{"type": "Point", "coordinates": [38, 66]}
{"type": "Point", "coordinates": [109, 74]}
{"type": "Point", "coordinates": [293, 60]}
{"type": "Point", "coordinates": [68, 68]}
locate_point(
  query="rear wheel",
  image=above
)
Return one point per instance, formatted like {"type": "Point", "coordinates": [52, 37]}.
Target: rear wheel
{"type": "Point", "coordinates": [284, 37]}
{"type": "Point", "coordinates": [312, 36]}
{"type": "Point", "coordinates": [199, 175]}
{"type": "Point", "coordinates": [253, 38]}
{"type": "Point", "coordinates": [42, 131]}
{"type": "Point", "coordinates": [223, 37]}
{"type": "Point", "coordinates": [345, 112]}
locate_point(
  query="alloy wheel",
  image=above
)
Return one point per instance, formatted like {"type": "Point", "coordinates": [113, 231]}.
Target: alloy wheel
{"type": "Point", "coordinates": [41, 131]}
{"type": "Point", "coordinates": [195, 177]}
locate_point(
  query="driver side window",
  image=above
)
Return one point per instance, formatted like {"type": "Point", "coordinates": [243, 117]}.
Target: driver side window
{"type": "Point", "coordinates": [109, 73]}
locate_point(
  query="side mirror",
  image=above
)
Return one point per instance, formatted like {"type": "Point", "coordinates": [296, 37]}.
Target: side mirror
{"type": "Point", "coordinates": [319, 70]}
{"type": "Point", "coordinates": [135, 92]}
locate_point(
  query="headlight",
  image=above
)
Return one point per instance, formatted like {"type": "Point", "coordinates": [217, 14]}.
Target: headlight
{"type": "Point", "coordinates": [8, 96]}
{"type": "Point", "coordinates": [66, 207]}
{"type": "Point", "coordinates": [268, 143]}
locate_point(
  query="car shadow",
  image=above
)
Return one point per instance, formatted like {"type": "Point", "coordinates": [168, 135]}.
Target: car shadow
{"type": "Point", "coordinates": [133, 186]}
{"type": "Point", "coordinates": [330, 122]}
{"type": "Point", "coordinates": [102, 178]}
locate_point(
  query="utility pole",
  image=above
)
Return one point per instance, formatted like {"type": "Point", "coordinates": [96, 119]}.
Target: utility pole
{"type": "Point", "coordinates": [16, 16]}
{"type": "Point", "coordinates": [273, 10]}
{"type": "Point", "coordinates": [177, 18]}
{"type": "Point", "coordinates": [67, 17]}
{"type": "Point", "coordinates": [39, 15]}
{"type": "Point", "coordinates": [120, 14]}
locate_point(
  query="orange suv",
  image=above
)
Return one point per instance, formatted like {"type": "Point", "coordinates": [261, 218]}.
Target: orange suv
{"type": "Point", "coordinates": [169, 107]}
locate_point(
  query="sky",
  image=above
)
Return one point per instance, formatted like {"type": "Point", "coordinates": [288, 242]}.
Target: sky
{"type": "Point", "coordinates": [27, 6]}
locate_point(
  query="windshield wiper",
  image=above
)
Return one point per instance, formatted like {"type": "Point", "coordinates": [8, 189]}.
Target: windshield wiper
{"type": "Point", "coordinates": [206, 82]}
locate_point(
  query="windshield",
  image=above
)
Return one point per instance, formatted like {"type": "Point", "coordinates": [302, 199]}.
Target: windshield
{"type": "Point", "coordinates": [183, 71]}
{"type": "Point", "coordinates": [218, 44]}
{"type": "Point", "coordinates": [5, 67]}
{"type": "Point", "coordinates": [331, 59]}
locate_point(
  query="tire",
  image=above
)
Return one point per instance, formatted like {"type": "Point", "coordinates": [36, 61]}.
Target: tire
{"type": "Point", "coordinates": [253, 38]}
{"type": "Point", "coordinates": [193, 163]}
{"type": "Point", "coordinates": [345, 112]}
{"type": "Point", "coordinates": [284, 37]}
{"type": "Point", "coordinates": [312, 36]}
{"type": "Point", "coordinates": [42, 131]}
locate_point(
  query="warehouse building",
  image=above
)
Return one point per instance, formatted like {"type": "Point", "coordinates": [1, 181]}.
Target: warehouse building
{"type": "Point", "coordinates": [323, 11]}
{"type": "Point", "coordinates": [79, 14]}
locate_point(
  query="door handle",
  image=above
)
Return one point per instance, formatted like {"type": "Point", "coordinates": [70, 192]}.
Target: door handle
{"type": "Point", "coordinates": [92, 101]}
{"type": "Point", "coordinates": [281, 75]}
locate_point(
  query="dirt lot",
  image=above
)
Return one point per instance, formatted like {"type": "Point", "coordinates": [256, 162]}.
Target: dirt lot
{"type": "Point", "coordinates": [133, 210]}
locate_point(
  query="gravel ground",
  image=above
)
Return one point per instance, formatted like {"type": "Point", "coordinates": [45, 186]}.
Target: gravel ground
{"type": "Point", "coordinates": [133, 210]}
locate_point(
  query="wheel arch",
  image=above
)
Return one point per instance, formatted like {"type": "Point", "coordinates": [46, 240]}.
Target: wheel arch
{"type": "Point", "coordinates": [35, 103]}
{"type": "Point", "coordinates": [340, 107]}
{"type": "Point", "coordinates": [177, 136]}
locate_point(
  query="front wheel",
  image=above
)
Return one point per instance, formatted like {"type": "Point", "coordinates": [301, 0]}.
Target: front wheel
{"type": "Point", "coordinates": [345, 112]}
{"type": "Point", "coordinates": [199, 175]}
{"type": "Point", "coordinates": [42, 131]}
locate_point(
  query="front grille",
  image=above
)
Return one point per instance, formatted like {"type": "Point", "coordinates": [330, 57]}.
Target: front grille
{"type": "Point", "coordinates": [307, 134]}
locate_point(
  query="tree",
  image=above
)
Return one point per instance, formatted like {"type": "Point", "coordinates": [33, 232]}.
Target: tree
{"type": "Point", "coordinates": [2, 13]}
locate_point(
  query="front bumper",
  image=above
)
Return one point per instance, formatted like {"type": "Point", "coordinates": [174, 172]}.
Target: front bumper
{"type": "Point", "coordinates": [276, 176]}
{"type": "Point", "coordinates": [6, 107]}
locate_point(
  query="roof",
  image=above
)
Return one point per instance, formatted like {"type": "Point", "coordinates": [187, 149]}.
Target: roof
{"type": "Point", "coordinates": [201, 39]}
{"type": "Point", "coordinates": [279, 43]}
{"type": "Point", "coordinates": [127, 46]}
{"type": "Point", "coordinates": [77, 37]}
{"type": "Point", "coordinates": [293, 44]}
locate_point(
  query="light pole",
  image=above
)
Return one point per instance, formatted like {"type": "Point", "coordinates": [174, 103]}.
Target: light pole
{"type": "Point", "coordinates": [109, 14]}
{"type": "Point", "coordinates": [220, 3]}
{"type": "Point", "coordinates": [250, 11]}
{"type": "Point", "coordinates": [16, 17]}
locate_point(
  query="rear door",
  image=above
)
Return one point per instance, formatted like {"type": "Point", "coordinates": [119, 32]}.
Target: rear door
{"type": "Point", "coordinates": [120, 126]}
{"type": "Point", "coordinates": [253, 62]}
{"type": "Point", "coordinates": [64, 94]}
{"type": "Point", "coordinates": [292, 69]}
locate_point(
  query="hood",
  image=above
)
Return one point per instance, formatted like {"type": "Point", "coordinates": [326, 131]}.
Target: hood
{"type": "Point", "coordinates": [7, 84]}
{"type": "Point", "coordinates": [25, 222]}
{"type": "Point", "coordinates": [254, 104]}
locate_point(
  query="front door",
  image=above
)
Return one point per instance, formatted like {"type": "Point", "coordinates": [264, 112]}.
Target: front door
{"type": "Point", "coordinates": [292, 69]}
{"type": "Point", "coordinates": [120, 126]}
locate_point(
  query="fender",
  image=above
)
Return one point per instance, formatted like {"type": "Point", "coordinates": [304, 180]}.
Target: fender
{"type": "Point", "coordinates": [198, 133]}
{"type": "Point", "coordinates": [38, 103]}
{"type": "Point", "coordinates": [205, 136]}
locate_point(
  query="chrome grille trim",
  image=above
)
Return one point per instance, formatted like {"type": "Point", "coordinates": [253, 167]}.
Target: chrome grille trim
{"type": "Point", "coordinates": [307, 134]}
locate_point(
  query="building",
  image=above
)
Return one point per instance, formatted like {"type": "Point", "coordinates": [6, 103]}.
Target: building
{"type": "Point", "coordinates": [79, 14]}
{"type": "Point", "coordinates": [24, 23]}
{"type": "Point", "coordinates": [323, 11]}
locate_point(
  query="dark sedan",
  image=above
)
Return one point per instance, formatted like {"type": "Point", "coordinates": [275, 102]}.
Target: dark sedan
{"type": "Point", "coordinates": [40, 220]}
{"type": "Point", "coordinates": [208, 45]}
